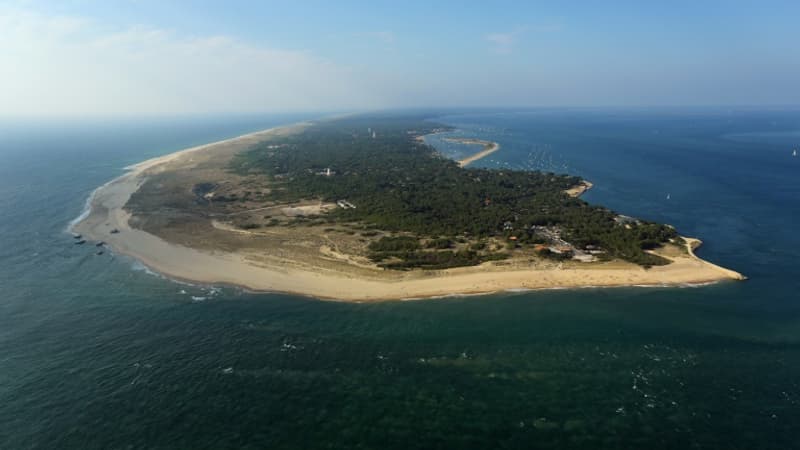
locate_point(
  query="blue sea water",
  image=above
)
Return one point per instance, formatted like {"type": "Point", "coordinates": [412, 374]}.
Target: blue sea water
{"type": "Point", "coordinates": [96, 352]}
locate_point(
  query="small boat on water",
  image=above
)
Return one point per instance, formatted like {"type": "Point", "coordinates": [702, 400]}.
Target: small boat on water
{"type": "Point", "coordinates": [76, 236]}
{"type": "Point", "coordinates": [667, 196]}
{"type": "Point", "coordinates": [114, 231]}
{"type": "Point", "coordinates": [794, 152]}
{"type": "Point", "coordinates": [99, 253]}
{"type": "Point", "coordinates": [100, 244]}
{"type": "Point", "coordinates": [80, 242]}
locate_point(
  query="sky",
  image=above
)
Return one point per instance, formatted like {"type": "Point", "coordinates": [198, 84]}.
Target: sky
{"type": "Point", "coordinates": [74, 58]}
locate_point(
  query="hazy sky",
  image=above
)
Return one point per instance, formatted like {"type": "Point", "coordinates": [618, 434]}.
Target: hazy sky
{"type": "Point", "coordinates": [135, 57]}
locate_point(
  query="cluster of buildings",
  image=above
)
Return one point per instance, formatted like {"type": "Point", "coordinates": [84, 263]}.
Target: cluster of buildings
{"type": "Point", "coordinates": [556, 244]}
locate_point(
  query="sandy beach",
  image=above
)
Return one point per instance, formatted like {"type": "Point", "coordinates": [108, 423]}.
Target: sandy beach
{"type": "Point", "coordinates": [107, 212]}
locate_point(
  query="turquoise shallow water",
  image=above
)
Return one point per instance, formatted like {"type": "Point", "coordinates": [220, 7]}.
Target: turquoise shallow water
{"type": "Point", "coordinates": [95, 352]}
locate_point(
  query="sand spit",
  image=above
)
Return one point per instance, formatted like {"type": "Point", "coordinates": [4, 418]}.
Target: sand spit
{"type": "Point", "coordinates": [579, 189]}
{"type": "Point", "coordinates": [490, 148]}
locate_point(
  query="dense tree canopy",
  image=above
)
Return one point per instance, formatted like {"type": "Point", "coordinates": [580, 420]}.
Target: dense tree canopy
{"type": "Point", "coordinates": [398, 183]}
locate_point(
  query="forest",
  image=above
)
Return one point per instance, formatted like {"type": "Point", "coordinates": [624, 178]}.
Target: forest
{"type": "Point", "coordinates": [396, 183]}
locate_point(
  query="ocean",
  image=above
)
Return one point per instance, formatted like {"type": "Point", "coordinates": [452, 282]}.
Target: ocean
{"type": "Point", "coordinates": [96, 352]}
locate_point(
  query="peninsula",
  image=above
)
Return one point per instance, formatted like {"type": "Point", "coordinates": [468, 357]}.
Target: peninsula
{"type": "Point", "coordinates": [361, 209]}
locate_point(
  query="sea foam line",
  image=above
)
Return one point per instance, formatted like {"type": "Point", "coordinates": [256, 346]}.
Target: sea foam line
{"type": "Point", "coordinates": [87, 205]}
{"type": "Point", "coordinates": [87, 208]}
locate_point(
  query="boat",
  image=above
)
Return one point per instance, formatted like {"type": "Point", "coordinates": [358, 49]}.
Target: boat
{"type": "Point", "coordinates": [76, 236]}
{"type": "Point", "coordinates": [114, 231]}
{"type": "Point", "coordinates": [667, 196]}
{"type": "Point", "coordinates": [99, 253]}
{"type": "Point", "coordinates": [80, 242]}
{"type": "Point", "coordinates": [100, 244]}
{"type": "Point", "coordinates": [794, 152]}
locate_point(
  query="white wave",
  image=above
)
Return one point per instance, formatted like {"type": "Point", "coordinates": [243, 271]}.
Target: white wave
{"type": "Point", "coordinates": [136, 265]}
{"type": "Point", "coordinates": [87, 208]}
{"type": "Point", "coordinates": [213, 291]}
{"type": "Point", "coordinates": [454, 295]}
{"type": "Point", "coordinates": [87, 205]}
{"type": "Point", "coordinates": [139, 267]}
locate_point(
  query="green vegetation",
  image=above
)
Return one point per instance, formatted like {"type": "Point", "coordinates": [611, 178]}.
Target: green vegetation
{"type": "Point", "coordinates": [440, 243]}
{"type": "Point", "coordinates": [389, 244]}
{"type": "Point", "coordinates": [405, 252]}
{"type": "Point", "coordinates": [399, 184]}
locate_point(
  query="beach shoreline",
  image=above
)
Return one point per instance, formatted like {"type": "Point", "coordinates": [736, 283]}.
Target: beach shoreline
{"type": "Point", "coordinates": [579, 189]}
{"type": "Point", "coordinates": [107, 213]}
{"type": "Point", "coordinates": [490, 148]}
